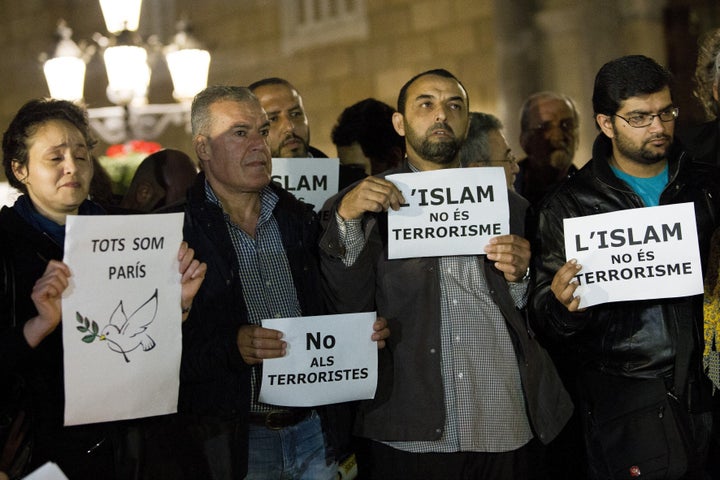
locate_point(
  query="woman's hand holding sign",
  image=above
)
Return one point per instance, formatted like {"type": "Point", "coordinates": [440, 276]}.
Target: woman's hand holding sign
{"type": "Point", "coordinates": [192, 273]}
{"type": "Point", "coordinates": [47, 295]}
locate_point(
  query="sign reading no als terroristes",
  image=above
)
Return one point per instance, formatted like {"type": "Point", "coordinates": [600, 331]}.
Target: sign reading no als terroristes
{"type": "Point", "coordinates": [330, 359]}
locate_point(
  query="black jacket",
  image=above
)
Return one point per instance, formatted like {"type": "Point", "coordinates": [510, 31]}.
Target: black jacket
{"type": "Point", "coordinates": [702, 142]}
{"type": "Point", "coordinates": [27, 252]}
{"type": "Point", "coordinates": [214, 378]}
{"type": "Point", "coordinates": [634, 338]}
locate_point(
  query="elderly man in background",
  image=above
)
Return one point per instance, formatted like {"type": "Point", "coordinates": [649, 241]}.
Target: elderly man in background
{"type": "Point", "coordinates": [549, 136]}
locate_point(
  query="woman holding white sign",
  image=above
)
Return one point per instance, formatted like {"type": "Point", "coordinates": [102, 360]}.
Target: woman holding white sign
{"type": "Point", "coordinates": [47, 156]}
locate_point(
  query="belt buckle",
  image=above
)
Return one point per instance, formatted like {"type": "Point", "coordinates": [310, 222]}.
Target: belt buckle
{"type": "Point", "coordinates": [274, 420]}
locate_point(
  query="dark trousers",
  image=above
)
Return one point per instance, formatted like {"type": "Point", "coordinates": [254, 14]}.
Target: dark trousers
{"type": "Point", "coordinates": [380, 462]}
{"type": "Point", "coordinates": [182, 447]}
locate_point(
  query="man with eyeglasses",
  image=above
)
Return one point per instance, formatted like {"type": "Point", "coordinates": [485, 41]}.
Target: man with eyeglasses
{"type": "Point", "coordinates": [549, 136]}
{"type": "Point", "coordinates": [486, 146]}
{"type": "Point", "coordinates": [616, 346]}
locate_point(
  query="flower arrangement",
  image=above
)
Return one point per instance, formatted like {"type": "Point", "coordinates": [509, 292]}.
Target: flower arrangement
{"type": "Point", "coordinates": [121, 160]}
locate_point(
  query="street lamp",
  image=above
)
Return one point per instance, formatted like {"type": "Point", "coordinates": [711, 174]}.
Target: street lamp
{"type": "Point", "coordinates": [129, 75]}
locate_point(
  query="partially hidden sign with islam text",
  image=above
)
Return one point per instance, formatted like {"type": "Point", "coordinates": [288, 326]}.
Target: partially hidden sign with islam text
{"type": "Point", "coordinates": [312, 180]}
{"type": "Point", "coordinates": [454, 211]}
{"type": "Point", "coordinates": [330, 359]}
{"type": "Point", "coordinates": [121, 321]}
{"type": "Point", "coordinates": [637, 254]}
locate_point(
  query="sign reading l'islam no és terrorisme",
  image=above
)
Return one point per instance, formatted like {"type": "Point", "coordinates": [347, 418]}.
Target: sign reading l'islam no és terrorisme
{"type": "Point", "coordinates": [312, 180]}
{"type": "Point", "coordinates": [452, 211]}
{"type": "Point", "coordinates": [636, 254]}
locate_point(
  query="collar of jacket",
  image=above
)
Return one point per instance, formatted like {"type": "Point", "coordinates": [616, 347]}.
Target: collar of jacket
{"type": "Point", "coordinates": [602, 151]}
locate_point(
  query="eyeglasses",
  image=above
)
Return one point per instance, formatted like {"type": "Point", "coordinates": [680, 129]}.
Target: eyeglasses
{"type": "Point", "coordinates": [641, 120]}
{"type": "Point", "coordinates": [566, 125]}
{"type": "Point", "coordinates": [509, 158]}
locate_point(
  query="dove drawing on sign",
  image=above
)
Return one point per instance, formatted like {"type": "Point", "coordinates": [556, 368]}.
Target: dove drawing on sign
{"type": "Point", "coordinates": [126, 333]}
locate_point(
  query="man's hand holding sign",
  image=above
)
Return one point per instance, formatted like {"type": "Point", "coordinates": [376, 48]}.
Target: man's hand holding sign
{"type": "Point", "coordinates": [372, 194]}
{"type": "Point", "coordinates": [318, 360]}
{"type": "Point", "coordinates": [472, 203]}
{"type": "Point", "coordinates": [258, 343]}
{"type": "Point", "coordinates": [299, 373]}
{"type": "Point", "coordinates": [626, 255]}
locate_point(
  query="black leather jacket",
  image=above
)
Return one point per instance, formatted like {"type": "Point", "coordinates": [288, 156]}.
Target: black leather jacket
{"type": "Point", "coordinates": [636, 338]}
{"type": "Point", "coordinates": [214, 378]}
{"type": "Point", "coordinates": [702, 142]}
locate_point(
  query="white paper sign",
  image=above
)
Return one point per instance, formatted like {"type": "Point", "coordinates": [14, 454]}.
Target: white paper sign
{"type": "Point", "coordinates": [121, 325]}
{"type": "Point", "coordinates": [330, 359]}
{"type": "Point", "coordinates": [454, 211]}
{"type": "Point", "coordinates": [312, 180]}
{"type": "Point", "coordinates": [637, 254]}
{"type": "Point", "coordinates": [48, 471]}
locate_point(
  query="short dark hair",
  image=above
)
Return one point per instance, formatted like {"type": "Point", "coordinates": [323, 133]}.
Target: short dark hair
{"type": "Point", "coordinates": [625, 77]}
{"type": "Point", "coordinates": [25, 124]}
{"type": "Point", "coordinates": [369, 123]}
{"type": "Point", "coordinates": [200, 109]}
{"type": "Point", "coordinates": [440, 72]}
{"type": "Point", "coordinates": [271, 81]}
{"type": "Point", "coordinates": [476, 147]}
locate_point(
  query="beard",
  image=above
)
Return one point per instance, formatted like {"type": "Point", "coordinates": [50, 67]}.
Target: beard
{"type": "Point", "coordinates": [297, 151]}
{"type": "Point", "coordinates": [440, 150]}
{"type": "Point", "coordinates": [643, 154]}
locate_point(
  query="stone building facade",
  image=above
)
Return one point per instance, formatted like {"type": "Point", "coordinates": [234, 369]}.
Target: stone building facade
{"type": "Point", "coordinates": [502, 50]}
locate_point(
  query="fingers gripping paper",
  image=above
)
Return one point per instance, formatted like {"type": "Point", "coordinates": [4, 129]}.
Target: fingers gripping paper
{"type": "Point", "coordinates": [121, 318]}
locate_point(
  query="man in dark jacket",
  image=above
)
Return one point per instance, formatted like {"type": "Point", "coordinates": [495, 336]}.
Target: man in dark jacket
{"type": "Point", "coordinates": [261, 247]}
{"type": "Point", "coordinates": [617, 345]}
{"type": "Point", "coordinates": [463, 386]}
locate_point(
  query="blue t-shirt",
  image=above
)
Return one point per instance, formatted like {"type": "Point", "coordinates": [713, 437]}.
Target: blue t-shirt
{"type": "Point", "coordinates": [649, 188]}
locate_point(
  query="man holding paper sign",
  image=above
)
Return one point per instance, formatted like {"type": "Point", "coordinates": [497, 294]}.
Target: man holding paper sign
{"type": "Point", "coordinates": [261, 245]}
{"type": "Point", "coordinates": [630, 357]}
{"type": "Point", "coordinates": [463, 387]}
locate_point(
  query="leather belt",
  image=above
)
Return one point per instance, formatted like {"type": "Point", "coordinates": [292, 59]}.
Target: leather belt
{"type": "Point", "coordinates": [280, 419]}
